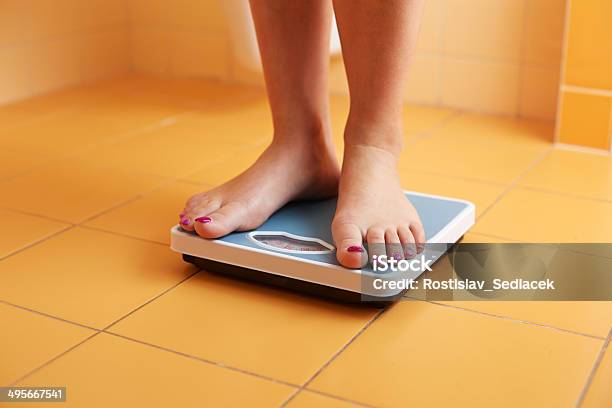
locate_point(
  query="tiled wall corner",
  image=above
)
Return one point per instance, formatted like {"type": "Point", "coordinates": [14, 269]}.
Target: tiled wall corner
{"type": "Point", "coordinates": [184, 38]}
{"type": "Point", "coordinates": [585, 120]}
{"type": "Point", "coordinates": [490, 56]}
{"type": "Point", "coordinates": [585, 116]}
{"type": "Point", "coordinates": [50, 44]}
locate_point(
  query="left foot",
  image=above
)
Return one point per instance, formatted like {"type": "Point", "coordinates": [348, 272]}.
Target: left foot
{"type": "Point", "coordinates": [372, 207]}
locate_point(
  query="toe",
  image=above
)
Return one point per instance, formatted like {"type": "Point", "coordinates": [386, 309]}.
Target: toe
{"type": "Point", "coordinates": [185, 221]}
{"type": "Point", "coordinates": [393, 245]}
{"type": "Point", "coordinates": [190, 213]}
{"type": "Point", "coordinates": [418, 232]}
{"type": "Point", "coordinates": [376, 242]}
{"type": "Point", "coordinates": [220, 222]}
{"type": "Point", "coordinates": [407, 240]}
{"type": "Point", "coordinates": [349, 245]}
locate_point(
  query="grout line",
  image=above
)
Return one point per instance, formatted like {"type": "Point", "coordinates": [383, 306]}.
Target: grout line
{"type": "Point", "coordinates": [496, 236]}
{"type": "Point", "coordinates": [31, 214]}
{"type": "Point", "coordinates": [516, 181]}
{"type": "Point", "coordinates": [562, 69]}
{"type": "Point", "coordinates": [38, 312]}
{"type": "Point", "coordinates": [36, 242]}
{"type": "Point", "coordinates": [586, 90]}
{"type": "Point", "coordinates": [610, 130]}
{"type": "Point", "coordinates": [203, 360]}
{"type": "Point", "coordinates": [430, 131]}
{"type": "Point", "coordinates": [566, 194]}
{"type": "Point", "coordinates": [97, 331]}
{"type": "Point", "coordinates": [596, 365]}
{"type": "Point", "coordinates": [455, 177]}
{"type": "Point", "coordinates": [328, 362]}
{"type": "Point", "coordinates": [193, 357]}
{"type": "Point", "coordinates": [522, 51]}
{"type": "Point", "coordinates": [526, 322]}
{"type": "Point", "coordinates": [120, 234]}
{"type": "Point", "coordinates": [185, 279]}
{"type": "Point", "coordinates": [58, 356]}
{"type": "Point", "coordinates": [584, 149]}
{"type": "Point", "coordinates": [336, 397]}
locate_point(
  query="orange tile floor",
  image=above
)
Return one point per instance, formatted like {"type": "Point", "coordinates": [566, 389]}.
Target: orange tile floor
{"type": "Point", "coordinates": [91, 297]}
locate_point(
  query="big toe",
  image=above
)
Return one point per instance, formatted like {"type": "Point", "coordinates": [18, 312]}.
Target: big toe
{"type": "Point", "coordinates": [349, 245]}
{"type": "Point", "coordinates": [219, 223]}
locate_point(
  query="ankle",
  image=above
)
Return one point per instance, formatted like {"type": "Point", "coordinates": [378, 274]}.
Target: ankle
{"type": "Point", "coordinates": [386, 135]}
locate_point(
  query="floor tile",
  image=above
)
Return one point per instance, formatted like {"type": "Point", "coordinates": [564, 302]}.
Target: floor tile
{"type": "Point", "coordinates": [29, 340]}
{"type": "Point", "coordinates": [533, 216]}
{"type": "Point", "coordinates": [422, 119]}
{"type": "Point", "coordinates": [581, 174]}
{"type": "Point", "coordinates": [599, 394]}
{"type": "Point", "coordinates": [169, 151]}
{"type": "Point", "coordinates": [151, 216]}
{"type": "Point", "coordinates": [479, 147]}
{"type": "Point", "coordinates": [20, 230]}
{"type": "Point", "coordinates": [14, 164]}
{"type": "Point", "coordinates": [262, 330]}
{"type": "Point", "coordinates": [69, 133]}
{"type": "Point", "coordinates": [89, 277]}
{"type": "Point", "coordinates": [432, 355]}
{"type": "Point", "coordinates": [481, 194]}
{"type": "Point", "coordinates": [214, 174]}
{"type": "Point", "coordinates": [109, 371]}
{"type": "Point", "coordinates": [474, 238]}
{"type": "Point", "coordinates": [307, 399]}
{"type": "Point", "coordinates": [72, 191]}
{"type": "Point", "coordinates": [591, 318]}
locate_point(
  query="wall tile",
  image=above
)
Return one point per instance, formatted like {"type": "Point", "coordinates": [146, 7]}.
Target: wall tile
{"type": "Point", "coordinates": [544, 32]}
{"type": "Point", "coordinates": [589, 48]}
{"type": "Point", "coordinates": [150, 50]}
{"type": "Point", "coordinates": [55, 64]}
{"type": "Point", "coordinates": [105, 54]}
{"type": "Point", "coordinates": [14, 74]}
{"type": "Point", "coordinates": [539, 91]}
{"type": "Point", "coordinates": [423, 82]}
{"type": "Point", "coordinates": [489, 87]}
{"type": "Point", "coordinates": [12, 17]}
{"type": "Point", "coordinates": [337, 76]}
{"type": "Point", "coordinates": [430, 36]}
{"type": "Point", "coordinates": [484, 28]}
{"type": "Point", "coordinates": [201, 15]}
{"type": "Point", "coordinates": [195, 54]}
{"type": "Point", "coordinates": [585, 120]}
{"type": "Point", "coordinates": [148, 12]}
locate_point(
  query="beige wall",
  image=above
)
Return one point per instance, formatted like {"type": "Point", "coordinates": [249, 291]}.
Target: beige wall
{"type": "Point", "coordinates": [50, 44]}
{"type": "Point", "coordinates": [497, 56]}
{"type": "Point", "coordinates": [494, 56]}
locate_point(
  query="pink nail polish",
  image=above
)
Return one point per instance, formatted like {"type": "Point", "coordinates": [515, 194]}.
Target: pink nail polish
{"type": "Point", "coordinates": [354, 248]}
{"type": "Point", "coordinates": [185, 221]}
{"type": "Point", "coordinates": [182, 215]}
{"type": "Point", "coordinates": [203, 220]}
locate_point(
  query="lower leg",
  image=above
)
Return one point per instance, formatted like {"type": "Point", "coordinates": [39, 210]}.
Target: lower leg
{"type": "Point", "coordinates": [377, 42]}
{"type": "Point", "coordinates": [300, 163]}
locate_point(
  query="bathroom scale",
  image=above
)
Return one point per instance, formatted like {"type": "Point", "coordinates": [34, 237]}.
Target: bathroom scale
{"type": "Point", "coordinates": [294, 249]}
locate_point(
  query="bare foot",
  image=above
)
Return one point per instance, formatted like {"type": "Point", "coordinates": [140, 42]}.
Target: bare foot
{"type": "Point", "coordinates": [286, 171]}
{"type": "Point", "coordinates": [372, 207]}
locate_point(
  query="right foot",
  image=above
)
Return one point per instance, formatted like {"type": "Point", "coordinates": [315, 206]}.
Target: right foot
{"type": "Point", "coordinates": [286, 171]}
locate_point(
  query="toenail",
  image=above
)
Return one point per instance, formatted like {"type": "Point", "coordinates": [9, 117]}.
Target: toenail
{"type": "Point", "coordinates": [354, 248]}
{"type": "Point", "coordinates": [203, 220]}
{"type": "Point", "coordinates": [185, 221]}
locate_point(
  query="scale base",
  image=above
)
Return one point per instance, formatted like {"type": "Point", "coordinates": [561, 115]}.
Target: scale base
{"type": "Point", "coordinates": [296, 285]}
